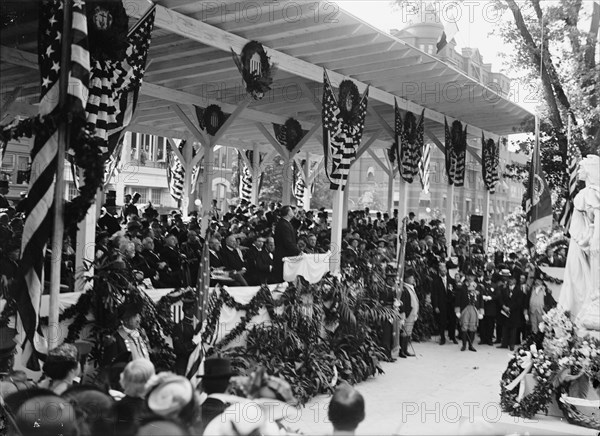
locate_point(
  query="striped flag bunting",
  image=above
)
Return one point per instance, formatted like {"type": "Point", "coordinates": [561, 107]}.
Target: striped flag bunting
{"type": "Point", "coordinates": [456, 152]}
{"type": "Point", "coordinates": [340, 138]}
{"type": "Point", "coordinates": [114, 85]}
{"type": "Point", "coordinates": [175, 174]}
{"type": "Point", "coordinates": [490, 160]}
{"type": "Point", "coordinates": [573, 164]}
{"type": "Point", "coordinates": [410, 143]}
{"type": "Point", "coordinates": [40, 209]}
{"type": "Point", "coordinates": [424, 166]}
{"type": "Point", "coordinates": [299, 183]}
{"type": "Point", "coordinates": [245, 176]}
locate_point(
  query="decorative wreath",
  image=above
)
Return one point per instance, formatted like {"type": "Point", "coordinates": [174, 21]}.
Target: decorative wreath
{"type": "Point", "coordinates": [289, 134]}
{"type": "Point", "coordinates": [107, 30]}
{"type": "Point", "coordinates": [258, 82]}
{"type": "Point", "coordinates": [213, 118]}
{"type": "Point", "coordinates": [348, 101]}
{"type": "Point", "coordinates": [542, 367]}
{"type": "Point", "coordinates": [392, 152]}
{"type": "Point", "coordinates": [459, 138]}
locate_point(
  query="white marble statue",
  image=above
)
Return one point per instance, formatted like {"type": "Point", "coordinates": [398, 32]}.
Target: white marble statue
{"type": "Point", "coordinates": [580, 292]}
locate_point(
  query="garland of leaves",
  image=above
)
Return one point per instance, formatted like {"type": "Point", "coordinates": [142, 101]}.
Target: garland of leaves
{"type": "Point", "coordinates": [256, 84]}
{"type": "Point", "coordinates": [87, 155]}
{"type": "Point", "coordinates": [107, 30]}
{"type": "Point", "coordinates": [348, 101]}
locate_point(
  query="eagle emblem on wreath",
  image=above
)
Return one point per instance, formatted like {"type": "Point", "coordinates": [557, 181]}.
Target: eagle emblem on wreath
{"type": "Point", "coordinates": [538, 189]}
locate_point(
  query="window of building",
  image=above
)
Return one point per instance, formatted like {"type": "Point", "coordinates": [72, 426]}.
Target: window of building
{"type": "Point", "coordinates": [8, 163]}
{"type": "Point", "coordinates": [72, 191]}
{"type": "Point", "coordinates": [156, 195]}
{"type": "Point", "coordinates": [370, 174]}
{"type": "Point", "coordinates": [161, 149]}
{"type": "Point", "coordinates": [468, 206]}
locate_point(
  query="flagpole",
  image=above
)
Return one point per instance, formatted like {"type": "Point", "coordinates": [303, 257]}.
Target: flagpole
{"type": "Point", "coordinates": [63, 139]}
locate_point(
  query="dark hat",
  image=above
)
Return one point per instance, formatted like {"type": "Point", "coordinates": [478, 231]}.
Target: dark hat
{"type": "Point", "coordinates": [129, 310]}
{"type": "Point", "coordinates": [3, 183]}
{"type": "Point", "coordinates": [217, 368]}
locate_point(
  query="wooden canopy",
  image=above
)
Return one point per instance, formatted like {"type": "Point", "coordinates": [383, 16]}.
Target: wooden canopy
{"type": "Point", "coordinates": [190, 63]}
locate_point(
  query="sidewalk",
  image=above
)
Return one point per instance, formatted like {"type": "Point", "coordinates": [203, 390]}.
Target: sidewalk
{"type": "Point", "coordinates": [438, 392]}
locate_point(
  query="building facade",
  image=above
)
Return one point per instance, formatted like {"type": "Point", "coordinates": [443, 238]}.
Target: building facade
{"type": "Point", "coordinates": [368, 186]}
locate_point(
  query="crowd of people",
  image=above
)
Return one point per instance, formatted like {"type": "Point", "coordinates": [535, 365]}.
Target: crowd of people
{"type": "Point", "coordinates": [455, 290]}
{"type": "Point", "coordinates": [144, 402]}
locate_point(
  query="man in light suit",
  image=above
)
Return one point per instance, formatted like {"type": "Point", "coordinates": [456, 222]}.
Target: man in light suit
{"type": "Point", "coordinates": [285, 241]}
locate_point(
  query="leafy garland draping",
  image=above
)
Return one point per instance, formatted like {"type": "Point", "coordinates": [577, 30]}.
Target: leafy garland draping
{"type": "Point", "coordinates": [87, 155]}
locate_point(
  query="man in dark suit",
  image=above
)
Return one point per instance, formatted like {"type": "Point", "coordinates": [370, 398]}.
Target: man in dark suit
{"type": "Point", "coordinates": [258, 262]}
{"type": "Point", "coordinates": [442, 301]}
{"type": "Point", "coordinates": [215, 380]}
{"type": "Point", "coordinates": [490, 297]}
{"type": "Point", "coordinates": [514, 312]}
{"type": "Point", "coordinates": [233, 260]}
{"type": "Point", "coordinates": [108, 221]}
{"type": "Point", "coordinates": [183, 332]}
{"type": "Point", "coordinates": [285, 241]}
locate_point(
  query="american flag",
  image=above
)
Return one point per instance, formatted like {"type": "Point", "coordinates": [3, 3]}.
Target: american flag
{"type": "Point", "coordinates": [299, 184]}
{"type": "Point", "coordinates": [410, 147]}
{"type": "Point", "coordinates": [175, 174]}
{"type": "Point", "coordinates": [205, 304]}
{"type": "Point", "coordinates": [489, 163]}
{"type": "Point", "coordinates": [459, 152]}
{"type": "Point", "coordinates": [111, 167]}
{"type": "Point", "coordinates": [245, 175]}
{"type": "Point", "coordinates": [424, 165]}
{"type": "Point", "coordinates": [574, 159]}
{"type": "Point", "coordinates": [114, 85]}
{"type": "Point", "coordinates": [40, 206]}
{"type": "Point", "coordinates": [340, 139]}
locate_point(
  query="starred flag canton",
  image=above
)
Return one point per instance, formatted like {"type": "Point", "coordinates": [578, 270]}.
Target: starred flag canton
{"type": "Point", "coordinates": [331, 110]}
{"type": "Point", "coordinates": [50, 38]}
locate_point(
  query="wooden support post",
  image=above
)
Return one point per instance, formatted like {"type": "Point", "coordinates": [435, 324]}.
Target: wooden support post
{"type": "Point", "coordinates": [402, 212]}
{"type": "Point", "coordinates": [449, 217]}
{"type": "Point", "coordinates": [390, 197]}
{"type": "Point", "coordinates": [336, 232]}
{"type": "Point", "coordinates": [486, 219]}
{"type": "Point", "coordinates": [287, 180]}
{"type": "Point", "coordinates": [346, 202]}
{"type": "Point", "coordinates": [85, 246]}
{"type": "Point", "coordinates": [209, 157]}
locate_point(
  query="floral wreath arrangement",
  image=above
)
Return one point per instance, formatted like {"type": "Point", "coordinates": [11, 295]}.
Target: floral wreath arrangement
{"type": "Point", "coordinates": [563, 365]}
{"type": "Point", "coordinates": [256, 69]}
{"type": "Point", "coordinates": [289, 134]}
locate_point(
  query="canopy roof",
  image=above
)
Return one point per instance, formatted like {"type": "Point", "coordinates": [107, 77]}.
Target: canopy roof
{"type": "Point", "coordinates": [191, 63]}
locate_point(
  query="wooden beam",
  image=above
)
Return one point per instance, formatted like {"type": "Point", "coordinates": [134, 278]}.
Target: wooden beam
{"type": "Point", "coordinates": [247, 161]}
{"type": "Point", "coordinates": [19, 57]}
{"type": "Point", "coordinates": [194, 130]}
{"type": "Point", "coordinates": [175, 149]}
{"type": "Point", "coordinates": [473, 152]}
{"type": "Point", "coordinates": [383, 123]}
{"type": "Point", "coordinates": [305, 138]}
{"type": "Point", "coordinates": [274, 142]}
{"type": "Point", "coordinates": [149, 130]}
{"type": "Point", "coordinates": [309, 93]}
{"type": "Point", "coordinates": [316, 171]}
{"type": "Point", "coordinates": [435, 141]}
{"type": "Point", "coordinates": [10, 99]}
{"type": "Point", "coordinates": [234, 116]}
{"type": "Point", "coordinates": [383, 166]}
{"type": "Point", "coordinates": [269, 156]}
{"type": "Point", "coordinates": [364, 147]}
{"type": "Point", "coordinates": [198, 157]}
{"type": "Point", "coordinates": [211, 35]}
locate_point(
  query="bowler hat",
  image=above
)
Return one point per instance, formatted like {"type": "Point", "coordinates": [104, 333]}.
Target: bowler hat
{"type": "Point", "coordinates": [217, 368]}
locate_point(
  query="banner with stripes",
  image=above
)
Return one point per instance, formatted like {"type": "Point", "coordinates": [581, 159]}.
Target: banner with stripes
{"type": "Point", "coordinates": [456, 152]}
{"type": "Point", "coordinates": [175, 173]}
{"type": "Point", "coordinates": [424, 168]}
{"type": "Point", "coordinates": [341, 138]}
{"type": "Point", "coordinates": [40, 206]}
{"type": "Point", "coordinates": [490, 160]}
{"type": "Point", "coordinates": [245, 175]}
{"type": "Point", "coordinates": [299, 182]}
{"type": "Point", "coordinates": [409, 143]}
{"type": "Point", "coordinates": [114, 85]}
{"type": "Point", "coordinates": [573, 188]}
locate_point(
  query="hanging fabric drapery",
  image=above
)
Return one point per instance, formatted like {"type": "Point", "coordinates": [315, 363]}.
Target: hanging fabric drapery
{"type": "Point", "coordinates": [490, 154]}
{"type": "Point", "coordinates": [343, 125]}
{"type": "Point", "coordinates": [456, 152]}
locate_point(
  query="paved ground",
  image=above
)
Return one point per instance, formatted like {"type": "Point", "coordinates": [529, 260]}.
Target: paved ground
{"type": "Point", "coordinates": [441, 391]}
